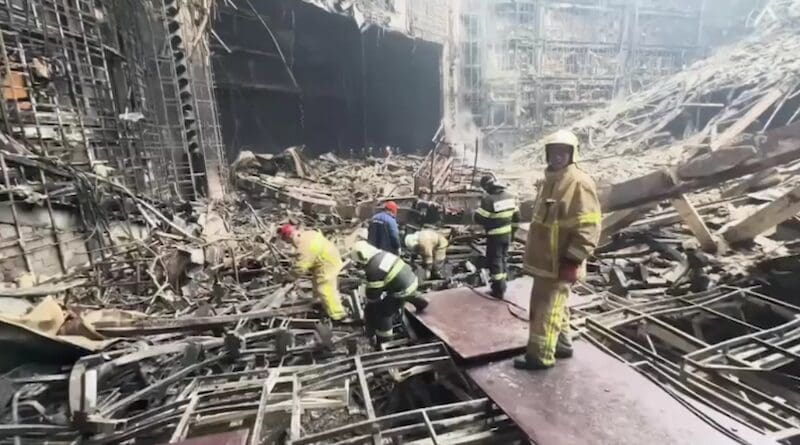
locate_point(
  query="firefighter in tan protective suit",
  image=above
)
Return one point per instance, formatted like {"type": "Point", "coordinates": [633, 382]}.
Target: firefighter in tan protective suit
{"type": "Point", "coordinates": [319, 257]}
{"type": "Point", "coordinates": [564, 232]}
{"type": "Point", "coordinates": [432, 247]}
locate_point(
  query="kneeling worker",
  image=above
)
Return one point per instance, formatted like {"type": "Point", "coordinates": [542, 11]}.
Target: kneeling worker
{"type": "Point", "coordinates": [319, 257]}
{"type": "Point", "coordinates": [432, 246]}
{"type": "Point", "coordinates": [386, 274]}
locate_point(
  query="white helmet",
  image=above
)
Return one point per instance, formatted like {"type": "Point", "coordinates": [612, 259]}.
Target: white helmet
{"type": "Point", "coordinates": [362, 252]}
{"type": "Point", "coordinates": [564, 137]}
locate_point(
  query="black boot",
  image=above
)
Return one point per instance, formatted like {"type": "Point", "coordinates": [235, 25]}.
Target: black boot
{"type": "Point", "coordinates": [563, 348]}
{"type": "Point", "coordinates": [498, 289]}
{"type": "Point", "coordinates": [529, 363]}
{"type": "Point", "coordinates": [563, 352]}
{"type": "Point", "coordinates": [379, 341]}
{"type": "Point", "coordinates": [419, 303]}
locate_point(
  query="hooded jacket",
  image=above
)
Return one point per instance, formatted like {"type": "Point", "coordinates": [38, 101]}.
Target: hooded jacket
{"type": "Point", "coordinates": [566, 222]}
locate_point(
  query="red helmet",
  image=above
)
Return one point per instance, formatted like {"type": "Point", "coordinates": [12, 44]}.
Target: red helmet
{"type": "Point", "coordinates": [391, 207]}
{"type": "Point", "coordinates": [286, 231]}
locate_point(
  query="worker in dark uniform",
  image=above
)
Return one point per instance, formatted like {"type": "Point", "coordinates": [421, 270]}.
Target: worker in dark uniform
{"type": "Point", "coordinates": [390, 284]}
{"type": "Point", "coordinates": [499, 216]}
{"type": "Point", "coordinates": [383, 231]}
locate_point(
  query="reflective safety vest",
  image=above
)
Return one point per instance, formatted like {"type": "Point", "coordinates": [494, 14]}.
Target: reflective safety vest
{"type": "Point", "coordinates": [566, 222]}
{"type": "Point", "coordinates": [498, 213]}
{"type": "Point", "coordinates": [386, 272]}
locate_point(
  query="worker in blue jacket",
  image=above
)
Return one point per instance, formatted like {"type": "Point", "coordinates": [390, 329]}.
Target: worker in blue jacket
{"type": "Point", "coordinates": [383, 231]}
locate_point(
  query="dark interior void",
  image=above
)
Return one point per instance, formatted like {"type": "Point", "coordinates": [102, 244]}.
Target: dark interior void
{"type": "Point", "coordinates": [353, 89]}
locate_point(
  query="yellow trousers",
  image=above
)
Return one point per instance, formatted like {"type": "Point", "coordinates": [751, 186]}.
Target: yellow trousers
{"type": "Point", "coordinates": [326, 289]}
{"type": "Point", "coordinates": [549, 318]}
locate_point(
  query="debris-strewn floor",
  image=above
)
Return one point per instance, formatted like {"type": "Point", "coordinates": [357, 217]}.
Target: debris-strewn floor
{"type": "Point", "coordinates": [186, 326]}
{"type": "Point", "coordinates": [128, 318]}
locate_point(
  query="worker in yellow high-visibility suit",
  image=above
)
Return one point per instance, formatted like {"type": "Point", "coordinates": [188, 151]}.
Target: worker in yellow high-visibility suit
{"type": "Point", "coordinates": [563, 234]}
{"type": "Point", "coordinates": [432, 247]}
{"type": "Point", "coordinates": [319, 257]}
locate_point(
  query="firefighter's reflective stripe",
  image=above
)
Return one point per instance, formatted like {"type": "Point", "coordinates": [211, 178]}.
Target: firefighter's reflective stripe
{"type": "Point", "coordinates": [502, 230]}
{"type": "Point", "coordinates": [395, 269]}
{"type": "Point", "coordinates": [592, 218]}
{"type": "Point", "coordinates": [499, 276]}
{"type": "Point", "coordinates": [410, 290]}
{"type": "Point", "coordinates": [549, 304]}
{"type": "Point", "coordinates": [385, 334]}
{"type": "Point", "coordinates": [506, 214]}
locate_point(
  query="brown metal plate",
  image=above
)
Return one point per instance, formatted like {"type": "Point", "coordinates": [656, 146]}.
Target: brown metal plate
{"type": "Point", "coordinates": [476, 325]}
{"type": "Point", "coordinates": [591, 399]}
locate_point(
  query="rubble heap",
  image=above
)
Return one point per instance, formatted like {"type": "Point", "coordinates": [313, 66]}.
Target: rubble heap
{"type": "Point", "coordinates": [329, 185]}
{"type": "Point", "coordinates": [724, 100]}
{"type": "Point", "coordinates": [183, 322]}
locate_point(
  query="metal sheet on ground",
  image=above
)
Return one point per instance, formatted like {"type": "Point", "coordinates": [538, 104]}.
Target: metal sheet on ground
{"type": "Point", "coordinates": [591, 399]}
{"type": "Point", "coordinates": [475, 325]}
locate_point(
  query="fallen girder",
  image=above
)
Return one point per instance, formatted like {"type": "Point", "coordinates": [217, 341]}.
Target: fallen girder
{"type": "Point", "coordinates": [471, 422]}
{"type": "Point", "coordinates": [201, 384]}
{"type": "Point", "coordinates": [697, 347]}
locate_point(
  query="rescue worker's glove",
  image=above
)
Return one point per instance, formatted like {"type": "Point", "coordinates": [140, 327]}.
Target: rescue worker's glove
{"type": "Point", "coordinates": [568, 271]}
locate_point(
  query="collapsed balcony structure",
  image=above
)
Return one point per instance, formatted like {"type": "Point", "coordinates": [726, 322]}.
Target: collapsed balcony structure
{"type": "Point", "coordinates": [528, 67]}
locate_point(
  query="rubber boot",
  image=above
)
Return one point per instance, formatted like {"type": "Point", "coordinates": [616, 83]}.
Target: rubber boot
{"type": "Point", "coordinates": [563, 351]}
{"type": "Point", "coordinates": [419, 303]}
{"type": "Point", "coordinates": [380, 340]}
{"type": "Point", "coordinates": [498, 289]}
{"type": "Point", "coordinates": [529, 363]}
